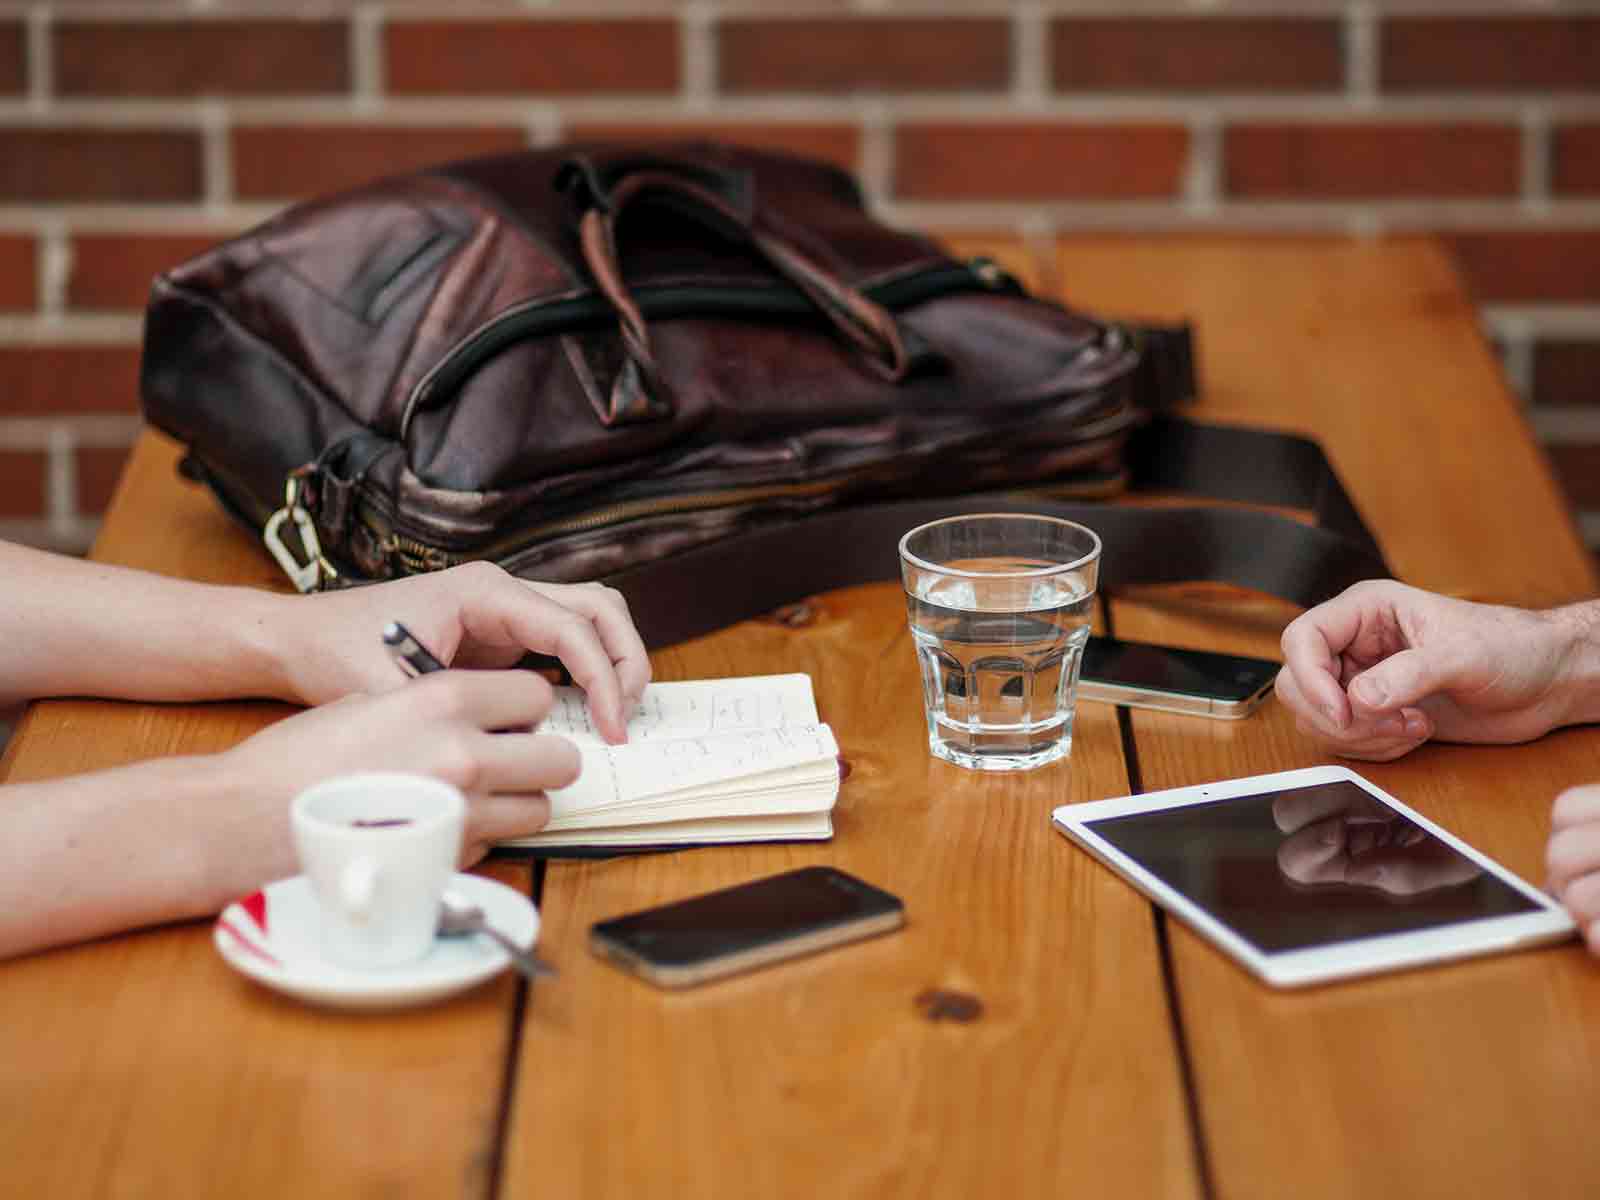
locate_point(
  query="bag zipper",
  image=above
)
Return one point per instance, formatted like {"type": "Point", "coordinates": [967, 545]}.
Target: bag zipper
{"type": "Point", "coordinates": [417, 556]}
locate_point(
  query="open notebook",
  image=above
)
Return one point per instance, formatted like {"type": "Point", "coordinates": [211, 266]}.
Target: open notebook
{"type": "Point", "coordinates": [707, 760]}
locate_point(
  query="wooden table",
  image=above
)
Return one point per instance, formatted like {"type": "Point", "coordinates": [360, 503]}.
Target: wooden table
{"type": "Point", "coordinates": [1116, 1055]}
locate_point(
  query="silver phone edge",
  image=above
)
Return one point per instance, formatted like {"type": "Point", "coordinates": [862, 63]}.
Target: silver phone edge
{"type": "Point", "coordinates": [1189, 703]}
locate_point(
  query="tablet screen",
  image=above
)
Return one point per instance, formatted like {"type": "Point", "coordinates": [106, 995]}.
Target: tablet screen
{"type": "Point", "coordinates": [1301, 867]}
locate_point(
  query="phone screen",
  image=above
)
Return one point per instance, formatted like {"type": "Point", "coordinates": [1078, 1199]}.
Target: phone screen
{"type": "Point", "coordinates": [1225, 677]}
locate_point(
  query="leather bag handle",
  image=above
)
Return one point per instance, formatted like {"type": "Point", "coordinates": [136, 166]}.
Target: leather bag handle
{"type": "Point", "coordinates": [640, 392]}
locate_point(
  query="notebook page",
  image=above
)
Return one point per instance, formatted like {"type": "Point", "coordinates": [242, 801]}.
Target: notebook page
{"type": "Point", "coordinates": [694, 708]}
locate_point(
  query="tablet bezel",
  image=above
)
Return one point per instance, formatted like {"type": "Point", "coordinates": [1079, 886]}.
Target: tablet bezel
{"type": "Point", "coordinates": [1335, 961]}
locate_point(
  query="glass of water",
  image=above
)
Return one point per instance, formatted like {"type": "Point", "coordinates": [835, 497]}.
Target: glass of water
{"type": "Point", "coordinates": [1000, 606]}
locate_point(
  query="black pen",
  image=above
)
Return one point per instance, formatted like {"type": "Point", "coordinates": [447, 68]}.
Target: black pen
{"type": "Point", "coordinates": [410, 655]}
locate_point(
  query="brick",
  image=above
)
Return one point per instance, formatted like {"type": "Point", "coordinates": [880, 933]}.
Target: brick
{"type": "Point", "coordinates": [195, 57]}
{"type": "Point", "coordinates": [50, 380]}
{"type": "Point", "coordinates": [99, 165]}
{"type": "Point", "coordinates": [836, 143]}
{"type": "Point", "coordinates": [1487, 54]}
{"type": "Point", "coordinates": [1577, 468]}
{"type": "Point", "coordinates": [99, 471]}
{"type": "Point", "coordinates": [1537, 266]}
{"type": "Point", "coordinates": [1314, 160]}
{"type": "Point", "coordinates": [278, 162]}
{"type": "Point", "coordinates": [13, 59]}
{"type": "Point", "coordinates": [535, 56]}
{"type": "Point", "coordinates": [1566, 373]}
{"type": "Point", "coordinates": [19, 286]}
{"type": "Point", "coordinates": [1196, 54]}
{"type": "Point", "coordinates": [1029, 161]}
{"type": "Point", "coordinates": [891, 54]}
{"type": "Point", "coordinates": [113, 271]}
{"type": "Point", "coordinates": [1575, 160]}
{"type": "Point", "coordinates": [24, 475]}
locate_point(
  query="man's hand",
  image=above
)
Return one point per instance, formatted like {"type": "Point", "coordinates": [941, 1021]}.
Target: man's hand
{"type": "Point", "coordinates": [1383, 667]}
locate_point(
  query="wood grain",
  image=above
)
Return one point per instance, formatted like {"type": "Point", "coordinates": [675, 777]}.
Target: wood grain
{"type": "Point", "coordinates": [141, 1065]}
{"type": "Point", "coordinates": [1474, 1079]}
{"type": "Point", "coordinates": [823, 1075]}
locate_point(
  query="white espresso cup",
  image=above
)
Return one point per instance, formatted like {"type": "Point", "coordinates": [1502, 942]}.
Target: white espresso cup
{"type": "Point", "coordinates": [378, 849]}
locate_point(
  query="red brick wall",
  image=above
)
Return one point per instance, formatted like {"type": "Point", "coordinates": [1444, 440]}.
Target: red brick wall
{"type": "Point", "coordinates": [132, 134]}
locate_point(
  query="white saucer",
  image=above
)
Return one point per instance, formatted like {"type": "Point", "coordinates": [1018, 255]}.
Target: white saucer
{"type": "Point", "coordinates": [272, 936]}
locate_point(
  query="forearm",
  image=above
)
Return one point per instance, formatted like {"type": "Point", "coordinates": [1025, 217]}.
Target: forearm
{"type": "Point", "coordinates": [1577, 627]}
{"type": "Point", "coordinates": [71, 627]}
{"type": "Point", "coordinates": [158, 841]}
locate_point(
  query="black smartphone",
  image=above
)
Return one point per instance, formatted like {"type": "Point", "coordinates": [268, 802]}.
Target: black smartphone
{"type": "Point", "coordinates": [751, 925]}
{"type": "Point", "coordinates": [1199, 682]}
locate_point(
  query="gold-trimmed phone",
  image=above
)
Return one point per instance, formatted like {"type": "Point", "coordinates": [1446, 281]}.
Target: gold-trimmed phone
{"type": "Point", "coordinates": [1197, 682]}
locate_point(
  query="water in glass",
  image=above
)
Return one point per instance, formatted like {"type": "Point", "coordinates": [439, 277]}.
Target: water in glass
{"type": "Point", "coordinates": [999, 670]}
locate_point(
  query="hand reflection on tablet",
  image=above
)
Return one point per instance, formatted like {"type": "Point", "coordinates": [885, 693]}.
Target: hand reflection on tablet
{"type": "Point", "coordinates": [1342, 835]}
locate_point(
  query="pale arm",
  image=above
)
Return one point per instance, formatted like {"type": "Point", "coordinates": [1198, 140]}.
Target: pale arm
{"type": "Point", "coordinates": [70, 627]}
{"type": "Point", "coordinates": [178, 838]}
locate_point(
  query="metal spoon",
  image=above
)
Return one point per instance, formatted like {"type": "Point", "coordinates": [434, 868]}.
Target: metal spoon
{"type": "Point", "coordinates": [458, 915]}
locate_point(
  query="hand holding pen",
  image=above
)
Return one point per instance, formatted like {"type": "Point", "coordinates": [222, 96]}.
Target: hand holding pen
{"type": "Point", "coordinates": [409, 654]}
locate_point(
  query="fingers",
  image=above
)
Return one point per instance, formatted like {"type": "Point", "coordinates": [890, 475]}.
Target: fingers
{"type": "Point", "coordinates": [1404, 678]}
{"type": "Point", "coordinates": [1576, 806]}
{"type": "Point", "coordinates": [497, 818]}
{"type": "Point", "coordinates": [1376, 737]}
{"type": "Point", "coordinates": [1573, 852]}
{"type": "Point", "coordinates": [1309, 682]}
{"type": "Point", "coordinates": [485, 700]}
{"type": "Point", "coordinates": [589, 630]}
{"type": "Point", "coordinates": [607, 608]}
{"type": "Point", "coordinates": [1572, 858]}
{"type": "Point", "coordinates": [505, 775]}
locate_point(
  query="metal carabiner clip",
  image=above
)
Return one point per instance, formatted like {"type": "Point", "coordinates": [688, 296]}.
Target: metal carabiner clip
{"type": "Point", "coordinates": [316, 571]}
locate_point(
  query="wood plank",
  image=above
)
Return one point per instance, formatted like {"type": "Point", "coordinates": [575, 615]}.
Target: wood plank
{"type": "Point", "coordinates": [1473, 1079]}
{"type": "Point", "coordinates": [141, 1065]}
{"type": "Point", "coordinates": [821, 1076]}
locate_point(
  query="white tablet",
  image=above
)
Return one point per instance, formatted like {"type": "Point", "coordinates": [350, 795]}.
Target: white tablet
{"type": "Point", "coordinates": [1313, 875]}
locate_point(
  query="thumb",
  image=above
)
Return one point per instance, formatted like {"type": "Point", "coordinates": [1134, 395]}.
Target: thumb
{"type": "Point", "coordinates": [1402, 679]}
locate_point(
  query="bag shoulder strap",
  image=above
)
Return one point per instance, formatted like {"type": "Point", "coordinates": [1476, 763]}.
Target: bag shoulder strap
{"type": "Point", "coordinates": [770, 566]}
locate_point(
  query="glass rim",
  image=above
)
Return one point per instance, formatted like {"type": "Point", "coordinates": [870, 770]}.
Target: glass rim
{"type": "Point", "coordinates": [1028, 573]}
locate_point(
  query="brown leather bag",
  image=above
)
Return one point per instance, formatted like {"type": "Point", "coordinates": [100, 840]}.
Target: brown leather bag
{"type": "Point", "coordinates": [703, 374]}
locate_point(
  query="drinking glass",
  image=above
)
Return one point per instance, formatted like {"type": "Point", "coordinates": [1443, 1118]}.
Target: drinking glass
{"type": "Point", "coordinates": [1000, 606]}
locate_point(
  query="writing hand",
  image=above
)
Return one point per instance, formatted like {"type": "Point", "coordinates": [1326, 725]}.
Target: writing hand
{"type": "Point", "coordinates": [474, 616]}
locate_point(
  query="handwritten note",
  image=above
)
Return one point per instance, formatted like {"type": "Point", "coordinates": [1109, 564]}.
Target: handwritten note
{"type": "Point", "coordinates": [721, 760]}
{"type": "Point", "coordinates": [695, 708]}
